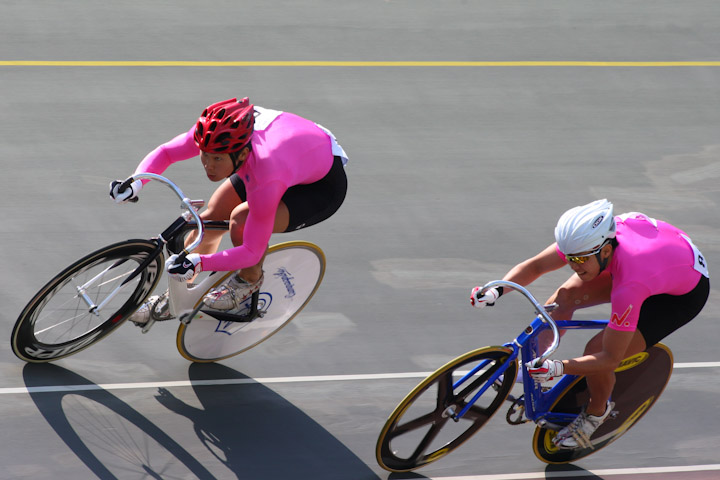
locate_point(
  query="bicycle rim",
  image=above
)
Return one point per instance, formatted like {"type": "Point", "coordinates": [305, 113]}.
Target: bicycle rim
{"type": "Point", "coordinates": [293, 273]}
{"type": "Point", "coordinates": [420, 431]}
{"type": "Point", "coordinates": [57, 322]}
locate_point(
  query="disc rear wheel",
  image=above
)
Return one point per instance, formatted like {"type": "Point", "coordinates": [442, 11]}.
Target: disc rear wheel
{"type": "Point", "coordinates": [293, 272]}
{"type": "Point", "coordinates": [639, 381]}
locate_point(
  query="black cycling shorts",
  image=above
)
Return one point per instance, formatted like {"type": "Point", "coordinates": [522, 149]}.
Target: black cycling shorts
{"type": "Point", "coordinates": [312, 203]}
{"type": "Point", "coordinates": [660, 315]}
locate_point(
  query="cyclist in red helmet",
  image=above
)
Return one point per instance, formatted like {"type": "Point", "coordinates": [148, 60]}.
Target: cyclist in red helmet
{"type": "Point", "coordinates": [279, 173]}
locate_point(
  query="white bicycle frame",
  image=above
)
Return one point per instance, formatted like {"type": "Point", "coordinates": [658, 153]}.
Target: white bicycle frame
{"type": "Point", "coordinates": [183, 298]}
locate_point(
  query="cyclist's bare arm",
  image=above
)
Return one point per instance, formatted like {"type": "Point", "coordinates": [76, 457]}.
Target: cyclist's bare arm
{"type": "Point", "coordinates": [526, 272]}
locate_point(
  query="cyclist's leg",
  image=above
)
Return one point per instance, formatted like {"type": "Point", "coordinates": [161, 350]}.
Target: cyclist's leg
{"type": "Point", "coordinates": [238, 217]}
{"type": "Point", "coordinates": [601, 385]}
{"type": "Point", "coordinates": [659, 316]}
{"type": "Point", "coordinates": [300, 207]}
{"type": "Point", "coordinates": [573, 295]}
{"type": "Point", "coordinates": [220, 207]}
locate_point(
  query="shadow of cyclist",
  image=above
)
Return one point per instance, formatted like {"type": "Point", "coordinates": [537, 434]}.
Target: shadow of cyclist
{"type": "Point", "coordinates": [110, 437]}
{"type": "Point", "coordinates": [256, 433]}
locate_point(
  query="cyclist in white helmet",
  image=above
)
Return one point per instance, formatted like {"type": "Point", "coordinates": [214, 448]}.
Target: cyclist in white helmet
{"type": "Point", "coordinates": [651, 273]}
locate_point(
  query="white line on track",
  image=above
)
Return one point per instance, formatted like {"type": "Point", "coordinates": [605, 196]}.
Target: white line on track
{"type": "Point", "coordinates": [241, 381]}
{"type": "Point", "coordinates": [587, 473]}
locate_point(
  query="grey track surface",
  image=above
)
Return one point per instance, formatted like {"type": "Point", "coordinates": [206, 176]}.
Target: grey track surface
{"type": "Point", "coordinates": [456, 174]}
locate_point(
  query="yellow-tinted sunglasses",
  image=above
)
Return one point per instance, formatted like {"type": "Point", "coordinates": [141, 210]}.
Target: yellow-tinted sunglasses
{"type": "Point", "coordinates": [582, 258]}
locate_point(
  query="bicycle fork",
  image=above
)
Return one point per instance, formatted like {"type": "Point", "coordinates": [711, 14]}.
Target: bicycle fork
{"type": "Point", "coordinates": [95, 308]}
{"type": "Point", "coordinates": [490, 382]}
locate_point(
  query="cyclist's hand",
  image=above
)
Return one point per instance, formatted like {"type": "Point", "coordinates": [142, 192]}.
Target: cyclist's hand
{"type": "Point", "coordinates": [183, 269]}
{"type": "Point", "coordinates": [126, 195]}
{"type": "Point", "coordinates": [546, 371]}
{"type": "Point", "coordinates": [479, 301]}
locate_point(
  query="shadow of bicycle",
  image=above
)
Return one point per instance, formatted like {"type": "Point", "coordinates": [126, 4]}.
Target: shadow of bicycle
{"type": "Point", "coordinates": [110, 437]}
{"type": "Point", "coordinates": [251, 430]}
{"type": "Point", "coordinates": [256, 433]}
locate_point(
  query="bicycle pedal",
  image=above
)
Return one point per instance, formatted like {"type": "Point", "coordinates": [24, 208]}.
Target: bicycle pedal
{"type": "Point", "coordinates": [146, 328]}
{"type": "Point", "coordinates": [518, 409]}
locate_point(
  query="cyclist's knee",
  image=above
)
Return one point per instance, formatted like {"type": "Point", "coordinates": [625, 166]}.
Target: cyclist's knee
{"type": "Point", "coordinates": [567, 301]}
{"type": "Point", "coordinates": [212, 213]}
{"type": "Point", "coordinates": [594, 345]}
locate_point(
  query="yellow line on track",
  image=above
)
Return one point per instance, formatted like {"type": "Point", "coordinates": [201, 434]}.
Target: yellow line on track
{"type": "Point", "coordinates": [301, 63]}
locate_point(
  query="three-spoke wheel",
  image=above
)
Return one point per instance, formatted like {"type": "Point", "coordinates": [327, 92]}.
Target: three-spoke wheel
{"type": "Point", "coordinates": [426, 425]}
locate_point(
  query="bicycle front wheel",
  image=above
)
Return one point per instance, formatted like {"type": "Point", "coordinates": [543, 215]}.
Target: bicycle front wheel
{"type": "Point", "coordinates": [293, 272]}
{"type": "Point", "coordinates": [59, 320]}
{"type": "Point", "coordinates": [421, 429]}
{"type": "Point", "coordinates": [639, 381]}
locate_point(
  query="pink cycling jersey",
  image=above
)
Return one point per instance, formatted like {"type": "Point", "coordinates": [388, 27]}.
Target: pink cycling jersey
{"type": "Point", "coordinates": [287, 150]}
{"type": "Point", "coordinates": [652, 258]}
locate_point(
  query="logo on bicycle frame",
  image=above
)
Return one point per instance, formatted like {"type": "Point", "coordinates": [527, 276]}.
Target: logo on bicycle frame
{"type": "Point", "coordinates": [287, 278]}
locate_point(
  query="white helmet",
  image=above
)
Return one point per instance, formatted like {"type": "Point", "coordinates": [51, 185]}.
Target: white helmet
{"type": "Point", "coordinates": [585, 228]}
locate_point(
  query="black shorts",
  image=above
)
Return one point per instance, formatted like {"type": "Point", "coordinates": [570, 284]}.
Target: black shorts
{"type": "Point", "coordinates": [660, 315]}
{"type": "Point", "coordinates": [312, 203]}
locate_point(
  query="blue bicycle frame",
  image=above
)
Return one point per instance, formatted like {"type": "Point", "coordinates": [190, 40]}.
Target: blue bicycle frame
{"type": "Point", "coordinates": [537, 401]}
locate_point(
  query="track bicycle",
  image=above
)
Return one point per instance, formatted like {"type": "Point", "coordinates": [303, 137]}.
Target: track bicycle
{"type": "Point", "coordinates": [455, 401]}
{"type": "Point", "coordinates": [92, 297]}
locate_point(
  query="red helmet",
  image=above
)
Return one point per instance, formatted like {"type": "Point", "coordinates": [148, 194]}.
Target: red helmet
{"type": "Point", "coordinates": [225, 127]}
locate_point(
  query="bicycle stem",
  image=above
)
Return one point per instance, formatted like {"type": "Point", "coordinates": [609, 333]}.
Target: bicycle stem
{"type": "Point", "coordinates": [187, 204]}
{"type": "Point", "coordinates": [539, 309]}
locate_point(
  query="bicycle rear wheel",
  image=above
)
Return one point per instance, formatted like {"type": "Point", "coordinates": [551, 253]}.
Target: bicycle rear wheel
{"type": "Point", "coordinates": [58, 321]}
{"type": "Point", "coordinates": [293, 272]}
{"type": "Point", "coordinates": [639, 381]}
{"type": "Point", "coordinates": [420, 429]}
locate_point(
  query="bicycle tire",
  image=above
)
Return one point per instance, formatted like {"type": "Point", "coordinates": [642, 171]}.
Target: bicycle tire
{"type": "Point", "coordinates": [640, 380]}
{"type": "Point", "coordinates": [206, 339]}
{"type": "Point", "coordinates": [396, 451]}
{"type": "Point", "coordinates": [57, 323]}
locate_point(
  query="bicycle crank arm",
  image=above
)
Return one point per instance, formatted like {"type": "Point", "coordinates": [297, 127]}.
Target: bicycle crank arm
{"type": "Point", "coordinates": [516, 411]}
{"type": "Point", "coordinates": [248, 317]}
{"type": "Point", "coordinates": [542, 423]}
{"type": "Point", "coordinates": [187, 317]}
{"type": "Point", "coordinates": [232, 317]}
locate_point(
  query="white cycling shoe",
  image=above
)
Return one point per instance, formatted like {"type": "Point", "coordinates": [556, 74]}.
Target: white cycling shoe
{"type": "Point", "coordinates": [232, 294]}
{"type": "Point", "coordinates": [578, 433]}
{"type": "Point", "coordinates": [156, 307]}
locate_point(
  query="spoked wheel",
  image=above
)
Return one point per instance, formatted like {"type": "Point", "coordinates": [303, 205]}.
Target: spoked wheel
{"type": "Point", "coordinates": [420, 430]}
{"type": "Point", "coordinates": [59, 320]}
{"type": "Point", "coordinates": [293, 272]}
{"type": "Point", "coordinates": [640, 380]}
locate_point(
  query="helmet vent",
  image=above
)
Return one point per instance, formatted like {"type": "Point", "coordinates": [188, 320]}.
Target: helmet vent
{"type": "Point", "coordinates": [223, 138]}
